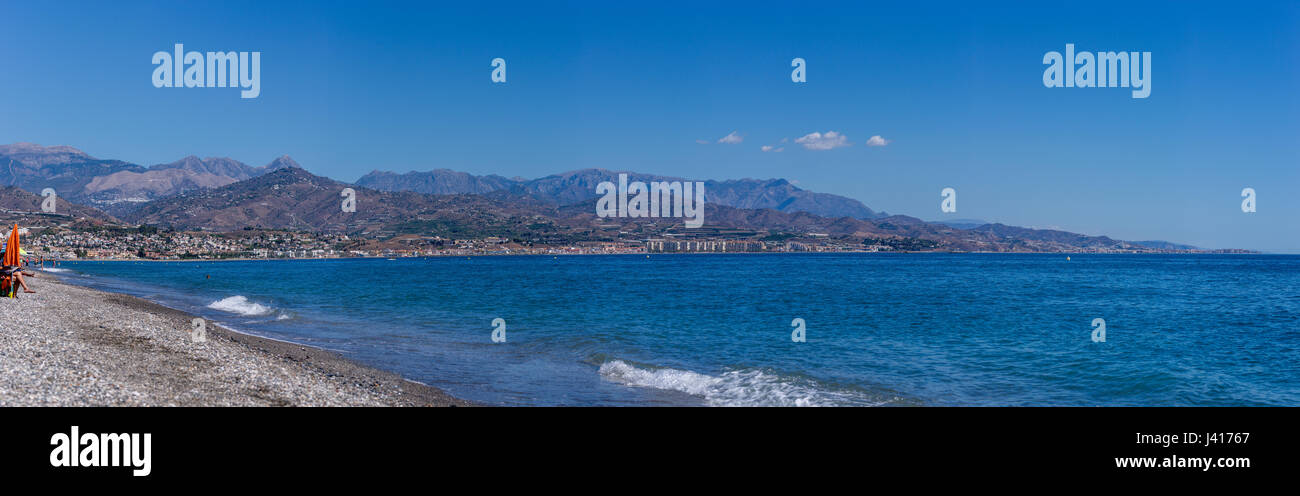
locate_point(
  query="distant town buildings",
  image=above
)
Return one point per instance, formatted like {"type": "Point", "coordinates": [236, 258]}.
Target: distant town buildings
{"type": "Point", "coordinates": [146, 242]}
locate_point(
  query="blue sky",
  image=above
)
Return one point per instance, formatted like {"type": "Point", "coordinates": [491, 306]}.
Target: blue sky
{"type": "Point", "coordinates": [349, 87]}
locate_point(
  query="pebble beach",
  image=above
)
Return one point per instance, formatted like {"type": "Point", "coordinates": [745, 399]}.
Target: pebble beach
{"type": "Point", "coordinates": [68, 345]}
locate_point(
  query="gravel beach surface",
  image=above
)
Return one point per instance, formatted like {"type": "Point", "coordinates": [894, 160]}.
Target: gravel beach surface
{"type": "Point", "coordinates": [72, 346]}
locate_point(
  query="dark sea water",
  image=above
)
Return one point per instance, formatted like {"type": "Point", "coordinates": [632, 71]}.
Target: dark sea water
{"type": "Point", "coordinates": [882, 329]}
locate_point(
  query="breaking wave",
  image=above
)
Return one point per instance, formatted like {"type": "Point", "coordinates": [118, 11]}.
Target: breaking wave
{"type": "Point", "coordinates": [736, 387]}
{"type": "Point", "coordinates": [240, 305]}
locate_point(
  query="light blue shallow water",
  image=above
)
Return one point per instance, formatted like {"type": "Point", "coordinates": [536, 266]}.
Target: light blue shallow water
{"type": "Point", "coordinates": [882, 329]}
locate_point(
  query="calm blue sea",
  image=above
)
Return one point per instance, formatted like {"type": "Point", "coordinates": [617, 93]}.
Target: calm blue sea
{"type": "Point", "coordinates": [882, 329]}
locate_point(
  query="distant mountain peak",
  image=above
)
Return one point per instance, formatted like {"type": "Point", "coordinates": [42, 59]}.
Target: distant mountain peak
{"type": "Point", "coordinates": [283, 161]}
{"type": "Point", "coordinates": [293, 172]}
{"type": "Point", "coordinates": [188, 162]}
{"type": "Point", "coordinates": [34, 155]}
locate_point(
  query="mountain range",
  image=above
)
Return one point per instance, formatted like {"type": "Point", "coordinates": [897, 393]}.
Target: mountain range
{"type": "Point", "coordinates": [163, 180]}
{"type": "Point", "coordinates": [580, 185]}
{"type": "Point", "coordinates": [292, 198]}
{"type": "Point", "coordinates": [113, 185]}
{"type": "Point", "coordinates": [222, 194]}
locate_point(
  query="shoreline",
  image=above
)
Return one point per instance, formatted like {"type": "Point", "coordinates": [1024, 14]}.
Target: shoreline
{"type": "Point", "coordinates": [70, 345]}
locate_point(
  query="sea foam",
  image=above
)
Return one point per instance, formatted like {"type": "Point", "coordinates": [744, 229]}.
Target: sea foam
{"type": "Point", "coordinates": [736, 387]}
{"type": "Point", "coordinates": [240, 305]}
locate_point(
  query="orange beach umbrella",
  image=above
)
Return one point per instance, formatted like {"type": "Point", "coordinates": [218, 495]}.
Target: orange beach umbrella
{"type": "Point", "coordinates": [12, 248]}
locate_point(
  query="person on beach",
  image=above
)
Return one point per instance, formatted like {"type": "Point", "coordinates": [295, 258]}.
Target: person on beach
{"type": "Point", "coordinates": [15, 274]}
{"type": "Point", "coordinates": [12, 270]}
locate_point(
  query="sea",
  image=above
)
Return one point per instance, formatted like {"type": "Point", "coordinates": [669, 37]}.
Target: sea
{"type": "Point", "coordinates": [863, 329]}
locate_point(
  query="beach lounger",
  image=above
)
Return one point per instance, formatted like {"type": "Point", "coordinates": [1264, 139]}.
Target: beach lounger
{"type": "Point", "coordinates": [8, 289]}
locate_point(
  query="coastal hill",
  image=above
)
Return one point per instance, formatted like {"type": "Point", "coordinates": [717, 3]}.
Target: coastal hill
{"type": "Point", "coordinates": [580, 185]}
{"type": "Point", "coordinates": [894, 230]}
{"type": "Point", "coordinates": [14, 200]}
{"type": "Point", "coordinates": [292, 198]}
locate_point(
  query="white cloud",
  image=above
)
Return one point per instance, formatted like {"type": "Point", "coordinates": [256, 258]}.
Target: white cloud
{"type": "Point", "coordinates": [702, 142]}
{"type": "Point", "coordinates": [819, 141]}
{"type": "Point", "coordinates": [731, 139]}
{"type": "Point", "coordinates": [877, 141]}
{"type": "Point", "coordinates": [770, 148]}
